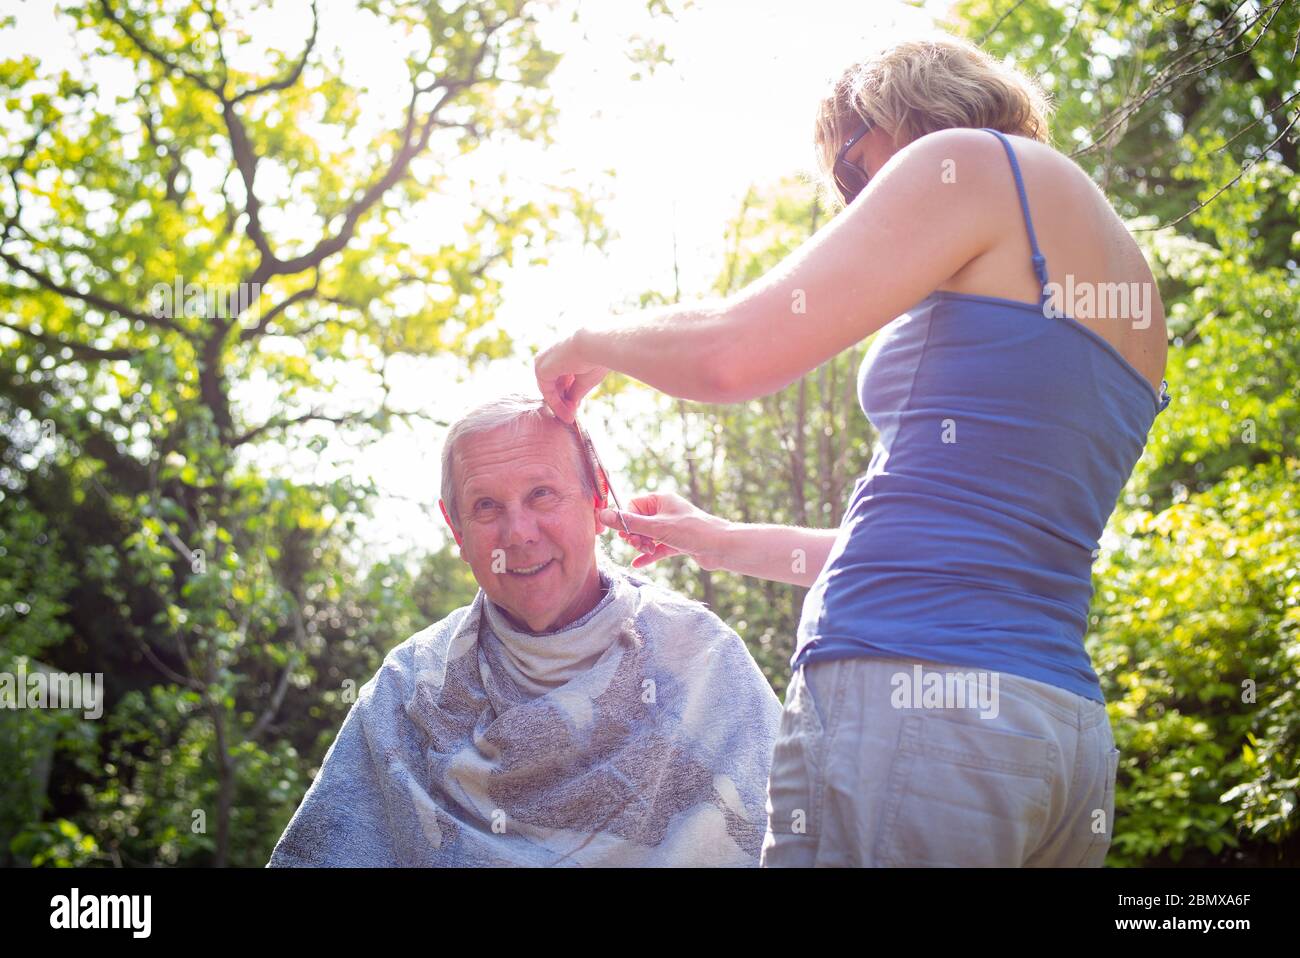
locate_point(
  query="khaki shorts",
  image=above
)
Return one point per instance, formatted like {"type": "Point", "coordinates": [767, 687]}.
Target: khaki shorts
{"type": "Point", "coordinates": [885, 762]}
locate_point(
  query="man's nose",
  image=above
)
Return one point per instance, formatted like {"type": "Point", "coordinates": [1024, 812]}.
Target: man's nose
{"type": "Point", "coordinates": [520, 527]}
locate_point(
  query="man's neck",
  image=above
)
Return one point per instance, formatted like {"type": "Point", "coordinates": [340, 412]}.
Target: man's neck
{"type": "Point", "coordinates": [599, 583]}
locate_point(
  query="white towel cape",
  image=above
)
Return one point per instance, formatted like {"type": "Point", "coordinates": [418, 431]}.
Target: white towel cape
{"type": "Point", "coordinates": [640, 735]}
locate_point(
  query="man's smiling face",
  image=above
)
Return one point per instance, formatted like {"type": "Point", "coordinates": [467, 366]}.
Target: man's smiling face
{"type": "Point", "coordinates": [522, 503]}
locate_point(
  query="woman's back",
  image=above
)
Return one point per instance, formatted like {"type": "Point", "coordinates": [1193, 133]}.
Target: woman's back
{"type": "Point", "coordinates": [1006, 433]}
{"type": "Point", "coordinates": [1085, 242]}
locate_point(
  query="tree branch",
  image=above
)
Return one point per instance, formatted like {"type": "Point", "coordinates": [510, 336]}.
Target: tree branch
{"type": "Point", "coordinates": [306, 293]}
{"type": "Point", "coordinates": [246, 163]}
{"type": "Point", "coordinates": [313, 416]}
{"type": "Point", "coordinates": [282, 686]}
{"type": "Point", "coordinates": [80, 350]}
{"type": "Point", "coordinates": [272, 266]}
{"type": "Point", "coordinates": [154, 53]}
{"type": "Point", "coordinates": [1226, 186]}
{"type": "Point", "coordinates": [90, 299]}
{"type": "Point", "coordinates": [211, 11]}
{"type": "Point", "coordinates": [12, 172]}
{"type": "Point", "coordinates": [998, 22]}
{"type": "Point", "coordinates": [1166, 78]}
{"type": "Point", "coordinates": [292, 77]}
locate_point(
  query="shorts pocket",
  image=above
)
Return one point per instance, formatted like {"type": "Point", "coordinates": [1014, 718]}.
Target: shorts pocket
{"type": "Point", "coordinates": [796, 781]}
{"type": "Point", "coordinates": [962, 794]}
{"type": "Point", "coordinates": [1101, 819]}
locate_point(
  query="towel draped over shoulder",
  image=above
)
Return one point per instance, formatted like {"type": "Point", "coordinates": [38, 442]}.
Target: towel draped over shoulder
{"type": "Point", "coordinates": [640, 735]}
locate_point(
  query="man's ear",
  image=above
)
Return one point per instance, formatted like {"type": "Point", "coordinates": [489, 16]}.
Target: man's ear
{"type": "Point", "coordinates": [447, 517]}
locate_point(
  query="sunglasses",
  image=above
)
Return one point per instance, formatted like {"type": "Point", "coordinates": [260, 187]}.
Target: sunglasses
{"type": "Point", "coordinates": [850, 179]}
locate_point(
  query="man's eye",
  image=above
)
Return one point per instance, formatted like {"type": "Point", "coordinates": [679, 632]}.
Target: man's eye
{"type": "Point", "coordinates": [482, 504]}
{"type": "Point", "coordinates": [542, 491]}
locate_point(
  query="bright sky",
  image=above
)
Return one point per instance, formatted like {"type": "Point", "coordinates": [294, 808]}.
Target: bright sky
{"type": "Point", "coordinates": [733, 109]}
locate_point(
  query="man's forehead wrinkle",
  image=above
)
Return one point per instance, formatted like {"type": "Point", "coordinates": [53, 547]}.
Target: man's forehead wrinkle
{"type": "Point", "coordinates": [516, 456]}
{"type": "Point", "coordinates": [525, 476]}
{"type": "Point", "coordinates": [546, 437]}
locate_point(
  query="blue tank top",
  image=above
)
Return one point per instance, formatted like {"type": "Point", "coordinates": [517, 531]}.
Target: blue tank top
{"type": "Point", "coordinates": [1006, 434]}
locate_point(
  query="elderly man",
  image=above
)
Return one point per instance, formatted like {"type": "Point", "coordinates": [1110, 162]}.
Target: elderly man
{"type": "Point", "coordinates": [573, 714]}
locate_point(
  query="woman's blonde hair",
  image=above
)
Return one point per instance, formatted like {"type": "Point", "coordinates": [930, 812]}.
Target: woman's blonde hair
{"type": "Point", "coordinates": [920, 86]}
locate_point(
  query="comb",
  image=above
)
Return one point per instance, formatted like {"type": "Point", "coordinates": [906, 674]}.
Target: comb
{"type": "Point", "coordinates": [600, 478]}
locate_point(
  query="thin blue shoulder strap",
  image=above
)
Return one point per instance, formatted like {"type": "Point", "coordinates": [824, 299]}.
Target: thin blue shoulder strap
{"type": "Point", "coordinates": [1039, 261]}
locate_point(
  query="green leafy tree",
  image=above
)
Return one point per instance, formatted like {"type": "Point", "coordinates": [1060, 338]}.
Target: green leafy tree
{"type": "Point", "coordinates": [203, 237]}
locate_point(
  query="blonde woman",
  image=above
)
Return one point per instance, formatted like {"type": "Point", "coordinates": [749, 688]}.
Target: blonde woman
{"type": "Point", "coordinates": [942, 708]}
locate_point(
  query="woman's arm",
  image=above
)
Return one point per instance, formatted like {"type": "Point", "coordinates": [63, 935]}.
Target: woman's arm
{"type": "Point", "coordinates": [923, 217]}
{"type": "Point", "coordinates": [664, 524]}
{"type": "Point", "coordinates": [676, 349]}
{"type": "Point", "coordinates": [780, 553]}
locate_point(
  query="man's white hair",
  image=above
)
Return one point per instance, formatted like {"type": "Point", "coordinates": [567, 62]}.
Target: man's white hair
{"type": "Point", "coordinates": [513, 410]}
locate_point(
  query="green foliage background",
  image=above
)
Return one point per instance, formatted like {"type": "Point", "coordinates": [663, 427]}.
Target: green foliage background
{"type": "Point", "coordinates": [233, 611]}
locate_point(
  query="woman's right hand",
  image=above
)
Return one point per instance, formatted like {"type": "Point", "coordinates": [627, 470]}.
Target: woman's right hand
{"type": "Point", "coordinates": [664, 524]}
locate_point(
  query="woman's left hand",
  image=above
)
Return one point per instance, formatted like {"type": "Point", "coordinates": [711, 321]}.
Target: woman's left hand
{"type": "Point", "coordinates": [564, 377]}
